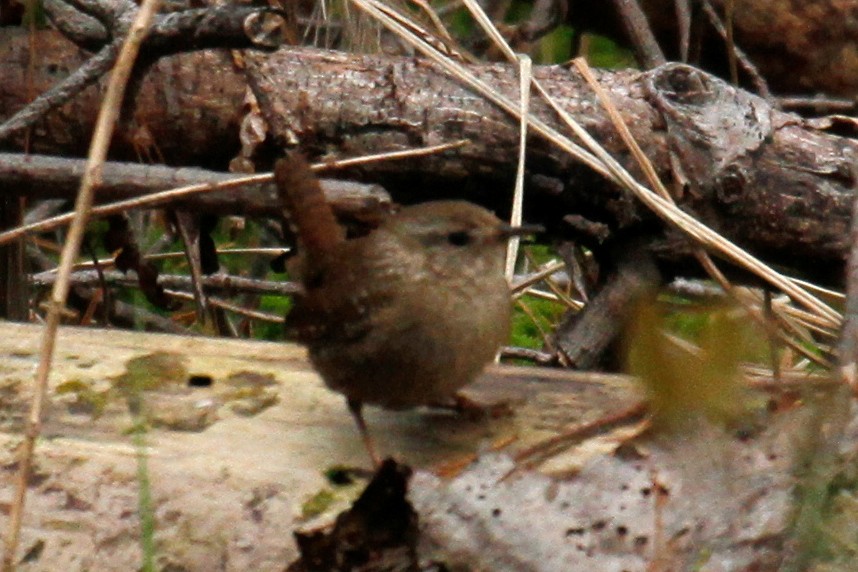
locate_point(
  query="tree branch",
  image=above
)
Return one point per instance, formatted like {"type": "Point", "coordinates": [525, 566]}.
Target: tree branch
{"type": "Point", "coordinates": [785, 193]}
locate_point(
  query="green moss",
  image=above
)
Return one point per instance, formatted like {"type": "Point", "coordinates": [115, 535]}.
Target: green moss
{"type": "Point", "coordinates": [317, 504]}
{"type": "Point", "coordinates": [147, 373]}
{"type": "Point", "coordinates": [86, 399]}
{"type": "Point", "coordinates": [556, 47]}
{"type": "Point", "coordinates": [605, 53]}
{"type": "Point", "coordinates": [525, 332]}
{"type": "Point", "coordinates": [519, 11]}
{"type": "Point", "coordinates": [152, 371]}
{"type": "Point", "coordinates": [344, 486]}
{"type": "Point", "coordinates": [278, 305]}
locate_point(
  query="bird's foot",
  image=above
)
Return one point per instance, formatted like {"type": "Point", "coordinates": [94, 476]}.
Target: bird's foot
{"type": "Point", "coordinates": [478, 410]}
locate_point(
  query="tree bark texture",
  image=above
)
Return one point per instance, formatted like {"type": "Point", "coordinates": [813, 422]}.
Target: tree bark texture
{"type": "Point", "coordinates": [768, 180]}
{"type": "Point", "coordinates": [187, 110]}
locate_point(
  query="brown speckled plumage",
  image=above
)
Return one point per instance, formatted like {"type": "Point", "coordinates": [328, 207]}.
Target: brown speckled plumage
{"type": "Point", "coordinates": [403, 316]}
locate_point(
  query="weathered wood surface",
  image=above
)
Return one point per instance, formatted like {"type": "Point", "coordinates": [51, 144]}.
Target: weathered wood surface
{"type": "Point", "coordinates": [237, 466]}
{"type": "Point", "coordinates": [231, 465]}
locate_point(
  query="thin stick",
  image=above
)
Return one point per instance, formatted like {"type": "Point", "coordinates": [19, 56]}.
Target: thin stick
{"type": "Point", "coordinates": [181, 192]}
{"type": "Point", "coordinates": [272, 251]}
{"type": "Point", "coordinates": [128, 204]}
{"type": "Point", "coordinates": [436, 21]}
{"type": "Point", "coordinates": [533, 456]}
{"type": "Point", "coordinates": [729, 10]}
{"type": "Point", "coordinates": [215, 282]}
{"type": "Point", "coordinates": [520, 287]}
{"type": "Point", "coordinates": [647, 51]}
{"type": "Point", "coordinates": [229, 306]}
{"type": "Point", "coordinates": [389, 156]}
{"type": "Point", "coordinates": [107, 117]}
{"type": "Point", "coordinates": [525, 78]}
{"type": "Point", "coordinates": [737, 54]}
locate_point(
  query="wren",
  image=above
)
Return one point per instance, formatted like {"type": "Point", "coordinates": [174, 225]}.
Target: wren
{"type": "Point", "coordinates": [406, 315]}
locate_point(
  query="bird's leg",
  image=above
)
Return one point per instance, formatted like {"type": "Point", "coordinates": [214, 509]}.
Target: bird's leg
{"type": "Point", "coordinates": [356, 406]}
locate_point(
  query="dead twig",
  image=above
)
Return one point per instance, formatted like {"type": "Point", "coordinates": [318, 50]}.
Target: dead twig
{"type": "Point", "coordinates": [535, 455]}
{"type": "Point", "coordinates": [214, 283]}
{"type": "Point", "coordinates": [736, 53]}
{"type": "Point", "coordinates": [165, 197]}
{"type": "Point", "coordinates": [647, 50]}
{"type": "Point", "coordinates": [107, 117]}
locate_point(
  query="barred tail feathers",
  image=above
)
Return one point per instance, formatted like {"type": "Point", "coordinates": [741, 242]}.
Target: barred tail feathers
{"type": "Point", "coordinates": [307, 210]}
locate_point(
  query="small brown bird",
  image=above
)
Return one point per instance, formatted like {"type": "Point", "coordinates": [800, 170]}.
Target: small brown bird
{"type": "Point", "coordinates": [406, 315]}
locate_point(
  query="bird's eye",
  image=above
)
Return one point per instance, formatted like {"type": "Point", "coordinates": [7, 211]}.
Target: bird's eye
{"type": "Point", "coordinates": [459, 238]}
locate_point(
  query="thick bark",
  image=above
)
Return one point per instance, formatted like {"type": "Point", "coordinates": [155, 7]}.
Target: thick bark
{"type": "Point", "coordinates": [187, 110]}
{"type": "Point", "coordinates": [767, 180]}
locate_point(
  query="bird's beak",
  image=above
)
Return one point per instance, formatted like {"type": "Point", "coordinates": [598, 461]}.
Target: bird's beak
{"type": "Point", "coordinates": [507, 230]}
